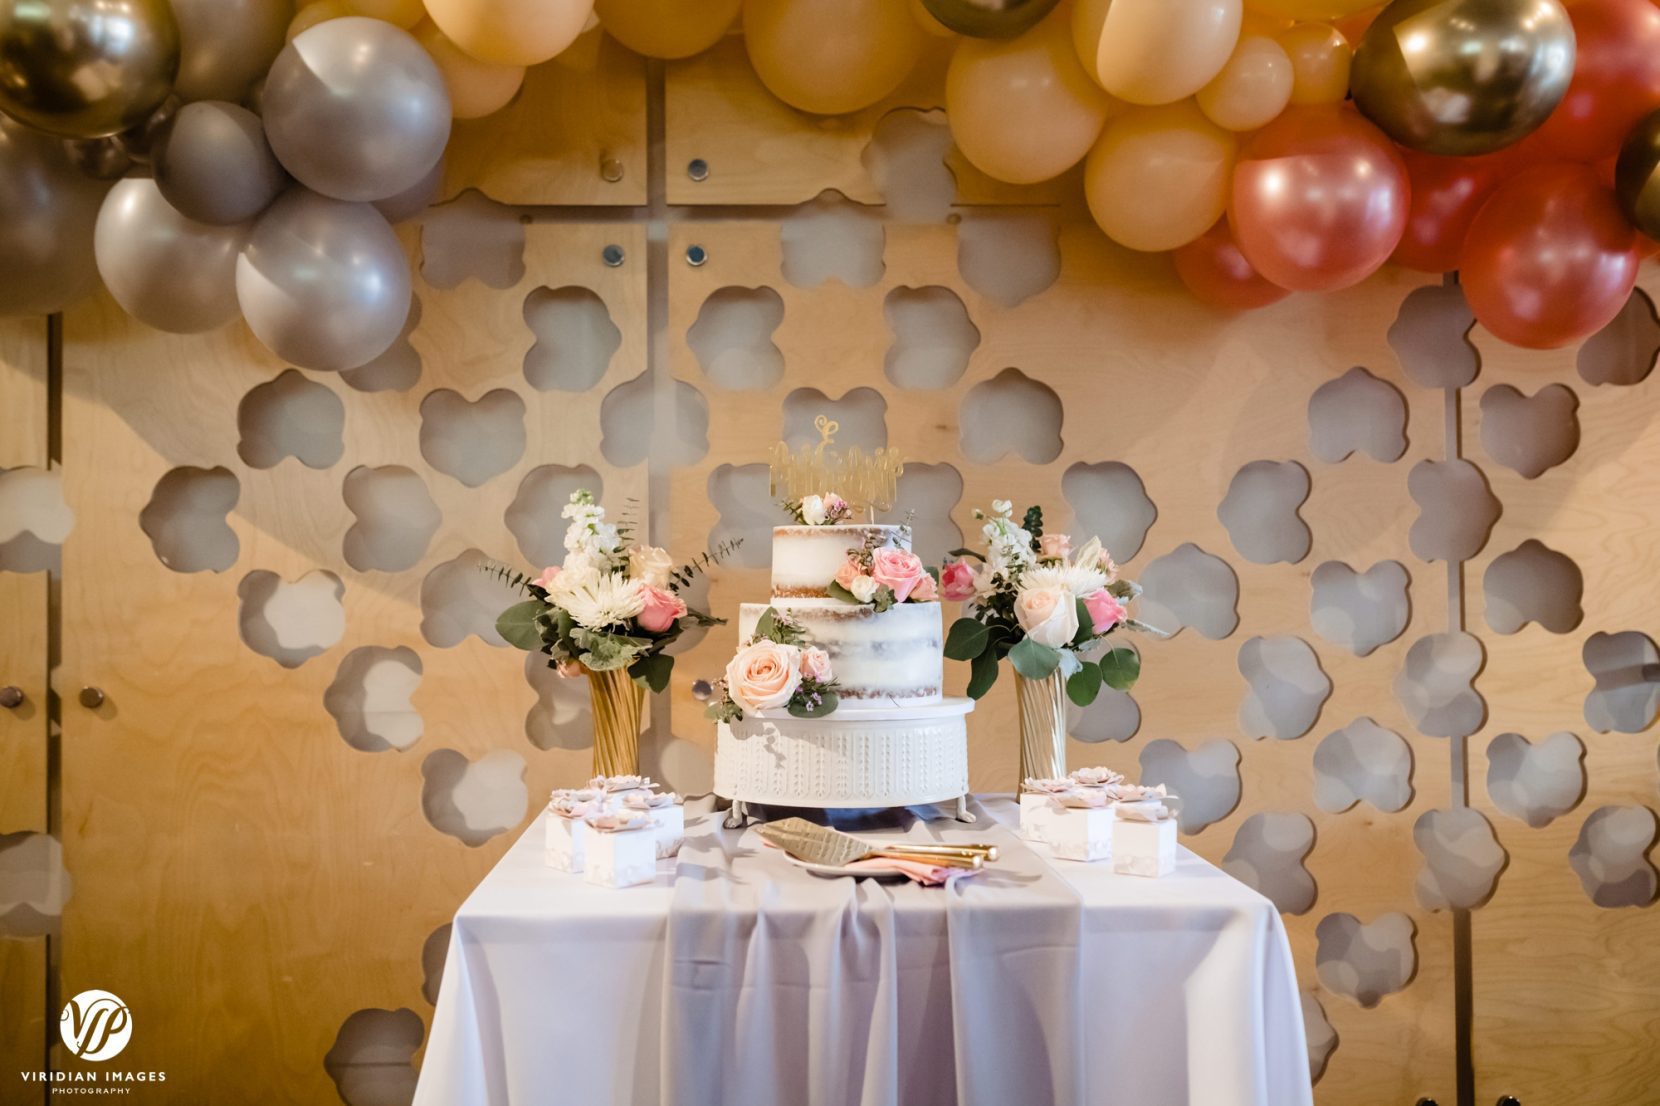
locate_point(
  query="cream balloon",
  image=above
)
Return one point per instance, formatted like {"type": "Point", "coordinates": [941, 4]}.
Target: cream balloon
{"type": "Point", "coordinates": [1023, 110]}
{"type": "Point", "coordinates": [1160, 51]}
{"type": "Point", "coordinates": [1252, 88]}
{"type": "Point", "coordinates": [476, 88]}
{"type": "Point", "coordinates": [1088, 17]}
{"type": "Point", "coordinates": [511, 32]}
{"type": "Point", "coordinates": [829, 57]}
{"type": "Point", "coordinates": [667, 28]}
{"type": "Point", "coordinates": [1309, 9]}
{"type": "Point", "coordinates": [1159, 176]}
{"type": "Point", "coordinates": [1320, 59]}
{"type": "Point", "coordinates": [321, 11]}
{"type": "Point", "coordinates": [401, 13]}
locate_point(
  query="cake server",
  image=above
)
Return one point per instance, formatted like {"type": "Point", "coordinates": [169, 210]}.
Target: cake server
{"type": "Point", "coordinates": [822, 845]}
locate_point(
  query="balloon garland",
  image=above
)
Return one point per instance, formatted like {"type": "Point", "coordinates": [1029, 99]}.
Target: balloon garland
{"type": "Point", "coordinates": [214, 157]}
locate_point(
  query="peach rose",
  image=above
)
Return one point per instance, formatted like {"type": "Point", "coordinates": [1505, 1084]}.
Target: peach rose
{"type": "Point", "coordinates": [848, 572]}
{"type": "Point", "coordinates": [661, 609]}
{"type": "Point", "coordinates": [899, 569]}
{"type": "Point", "coordinates": [925, 590]}
{"type": "Point", "coordinates": [548, 576]}
{"type": "Point", "coordinates": [763, 675]}
{"type": "Point", "coordinates": [957, 581]}
{"type": "Point", "coordinates": [815, 664]}
{"type": "Point", "coordinates": [651, 564]}
{"type": "Point", "coordinates": [1054, 547]}
{"type": "Point", "coordinates": [1048, 615]}
{"type": "Point", "coordinates": [1105, 611]}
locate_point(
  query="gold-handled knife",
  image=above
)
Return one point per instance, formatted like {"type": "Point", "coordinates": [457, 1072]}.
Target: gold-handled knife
{"type": "Point", "coordinates": [821, 845]}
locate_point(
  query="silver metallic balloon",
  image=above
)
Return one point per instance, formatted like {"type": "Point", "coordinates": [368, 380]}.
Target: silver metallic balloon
{"type": "Point", "coordinates": [412, 201]}
{"type": "Point", "coordinates": [215, 166]}
{"type": "Point", "coordinates": [171, 272]}
{"type": "Point", "coordinates": [323, 282]}
{"type": "Point", "coordinates": [1463, 77]}
{"type": "Point", "coordinates": [356, 109]}
{"type": "Point", "coordinates": [86, 68]}
{"type": "Point", "coordinates": [140, 141]}
{"type": "Point", "coordinates": [226, 45]}
{"type": "Point", "coordinates": [47, 208]}
{"type": "Point", "coordinates": [989, 18]}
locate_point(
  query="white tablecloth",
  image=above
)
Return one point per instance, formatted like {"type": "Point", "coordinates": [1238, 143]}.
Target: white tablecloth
{"type": "Point", "coordinates": [556, 991]}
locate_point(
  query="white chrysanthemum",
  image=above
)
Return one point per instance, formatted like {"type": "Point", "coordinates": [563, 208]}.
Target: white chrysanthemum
{"type": "Point", "coordinates": [600, 603]}
{"type": "Point", "coordinates": [1077, 579]}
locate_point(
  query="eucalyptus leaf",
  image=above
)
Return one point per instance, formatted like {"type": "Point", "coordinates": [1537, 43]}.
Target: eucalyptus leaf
{"type": "Point", "coordinates": [1120, 668]}
{"type": "Point", "coordinates": [836, 591]}
{"type": "Point", "coordinates": [518, 624]}
{"type": "Point", "coordinates": [1034, 661]}
{"type": "Point", "coordinates": [967, 639]}
{"type": "Point", "coordinates": [652, 671]}
{"type": "Point", "coordinates": [1084, 685]}
{"type": "Point", "coordinates": [1086, 624]}
{"type": "Point", "coordinates": [765, 625]}
{"type": "Point", "coordinates": [828, 701]}
{"type": "Point", "coordinates": [966, 553]}
{"type": "Point", "coordinates": [982, 674]}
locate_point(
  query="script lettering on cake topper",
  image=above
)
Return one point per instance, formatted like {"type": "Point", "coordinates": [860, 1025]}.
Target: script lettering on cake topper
{"type": "Point", "coordinates": [868, 480]}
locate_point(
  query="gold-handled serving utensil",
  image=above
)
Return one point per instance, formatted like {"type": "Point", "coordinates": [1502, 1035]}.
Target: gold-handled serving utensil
{"type": "Point", "coordinates": [822, 845]}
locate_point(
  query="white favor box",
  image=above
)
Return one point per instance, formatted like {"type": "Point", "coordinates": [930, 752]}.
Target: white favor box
{"type": "Point", "coordinates": [565, 841]}
{"type": "Point", "coordinates": [1037, 811]}
{"type": "Point", "coordinates": [1074, 833]}
{"type": "Point", "coordinates": [620, 859]}
{"type": "Point", "coordinates": [670, 828]}
{"type": "Point", "coordinates": [1144, 848]}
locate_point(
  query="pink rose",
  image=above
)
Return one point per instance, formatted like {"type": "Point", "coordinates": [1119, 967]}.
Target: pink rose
{"type": "Point", "coordinates": [763, 675]}
{"type": "Point", "coordinates": [1054, 547]}
{"type": "Point", "coordinates": [899, 569]}
{"type": "Point", "coordinates": [848, 572]}
{"type": "Point", "coordinates": [1105, 611]}
{"type": "Point", "coordinates": [957, 581]}
{"type": "Point", "coordinates": [815, 664]}
{"type": "Point", "coordinates": [546, 579]}
{"type": "Point", "coordinates": [661, 609]}
{"type": "Point", "coordinates": [925, 591]}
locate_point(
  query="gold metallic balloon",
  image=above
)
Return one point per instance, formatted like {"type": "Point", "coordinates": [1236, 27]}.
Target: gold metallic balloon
{"type": "Point", "coordinates": [1463, 77]}
{"type": "Point", "coordinates": [1637, 176]}
{"type": "Point", "coordinates": [86, 68]}
{"type": "Point", "coordinates": [989, 18]}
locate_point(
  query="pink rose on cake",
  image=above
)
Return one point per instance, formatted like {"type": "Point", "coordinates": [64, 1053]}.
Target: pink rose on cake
{"type": "Point", "coordinates": [1105, 611]}
{"type": "Point", "coordinates": [1048, 615]}
{"type": "Point", "coordinates": [957, 581]}
{"type": "Point", "coordinates": [897, 569]}
{"type": "Point", "coordinates": [763, 675]}
{"type": "Point", "coordinates": [661, 609]}
{"type": "Point", "coordinates": [925, 591]}
{"type": "Point", "coordinates": [849, 571]}
{"type": "Point", "coordinates": [815, 664]}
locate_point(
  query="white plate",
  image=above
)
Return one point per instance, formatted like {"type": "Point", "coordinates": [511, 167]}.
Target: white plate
{"type": "Point", "coordinates": [833, 871]}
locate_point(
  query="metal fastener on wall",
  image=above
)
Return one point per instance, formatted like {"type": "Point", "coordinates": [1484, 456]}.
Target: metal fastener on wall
{"type": "Point", "coordinates": [610, 169]}
{"type": "Point", "coordinates": [613, 255]}
{"type": "Point", "coordinates": [1426, 1102]}
{"type": "Point", "coordinates": [697, 169]}
{"type": "Point", "coordinates": [11, 697]}
{"type": "Point", "coordinates": [696, 255]}
{"type": "Point", "coordinates": [1508, 1100]}
{"type": "Point", "coordinates": [92, 698]}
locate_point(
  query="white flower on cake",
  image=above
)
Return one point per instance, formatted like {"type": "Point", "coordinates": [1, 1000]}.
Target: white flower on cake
{"type": "Point", "coordinates": [819, 510]}
{"type": "Point", "coordinates": [863, 588]}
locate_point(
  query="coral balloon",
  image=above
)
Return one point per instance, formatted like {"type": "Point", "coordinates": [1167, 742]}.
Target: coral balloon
{"type": "Point", "coordinates": [1158, 178]}
{"type": "Point", "coordinates": [1637, 176]}
{"type": "Point", "coordinates": [1214, 270]}
{"type": "Point", "coordinates": [1549, 258]}
{"type": "Point", "coordinates": [511, 32]}
{"type": "Point", "coordinates": [1446, 194]}
{"type": "Point", "coordinates": [1305, 10]}
{"type": "Point", "coordinates": [1023, 109]}
{"type": "Point", "coordinates": [1320, 60]}
{"type": "Point", "coordinates": [47, 208]}
{"type": "Point", "coordinates": [1463, 77]}
{"type": "Point", "coordinates": [1252, 88]}
{"type": "Point", "coordinates": [667, 28]}
{"type": "Point", "coordinates": [225, 45]}
{"type": "Point", "coordinates": [323, 283]}
{"type": "Point", "coordinates": [86, 68]}
{"type": "Point", "coordinates": [1616, 79]}
{"type": "Point", "coordinates": [989, 18]}
{"type": "Point", "coordinates": [1160, 51]}
{"type": "Point", "coordinates": [476, 88]}
{"type": "Point", "coordinates": [399, 13]}
{"type": "Point", "coordinates": [1319, 199]}
{"type": "Point", "coordinates": [829, 57]}
{"type": "Point", "coordinates": [168, 271]}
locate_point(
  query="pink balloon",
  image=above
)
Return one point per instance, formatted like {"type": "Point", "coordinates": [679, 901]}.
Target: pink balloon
{"type": "Point", "coordinates": [1319, 199]}
{"type": "Point", "coordinates": [1549, 258]}
{"type": "Point", "coordinates": [1217, 274]}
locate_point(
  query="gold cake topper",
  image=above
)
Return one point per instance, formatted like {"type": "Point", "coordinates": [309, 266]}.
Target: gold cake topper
{"type": "Point", "coordinates": [867, 480]}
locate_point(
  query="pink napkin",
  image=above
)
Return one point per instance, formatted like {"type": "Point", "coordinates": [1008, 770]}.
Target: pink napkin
{"type": "Point", "coordinates": [928, 875]}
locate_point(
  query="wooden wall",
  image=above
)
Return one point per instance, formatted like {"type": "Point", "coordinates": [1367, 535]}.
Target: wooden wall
{"type": "Point", "coordinates": [248, 880]}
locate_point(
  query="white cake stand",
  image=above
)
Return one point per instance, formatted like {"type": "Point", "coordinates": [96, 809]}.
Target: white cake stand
{"type": "Point", "coordinates": [858, 757]}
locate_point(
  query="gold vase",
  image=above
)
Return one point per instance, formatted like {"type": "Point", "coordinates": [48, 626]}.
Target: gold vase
{"type": "Point", "coordinates": [1042, 726]}
{"type": "Point", "coordinates": [615, 700]}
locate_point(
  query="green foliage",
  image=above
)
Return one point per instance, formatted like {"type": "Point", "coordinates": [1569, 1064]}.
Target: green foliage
{"type": "Point", "coordinates": [828, 701]}
{"type": "Point", "coordinates": [967, 639]}
{"type": "Point", "coordinates": [1033, 524]}
{"type": "Point", "coordinates": [1085, 684]}
{"type": "Point", "coordinates": [602, 651]}
{"type": "Point", "coordinates": [982, 673]}
{"type": "Point", "coordinates": [1086, 625]}
{"type": "Point", "coordinates": [836, 591]}
{"type": "Point", "coordinates": [652, 671]}
{"type": "Point", "coordinates": [700, 564]}
{"type": "Point", "coordinates": [1034, 661]}
{"type": "Point", "coordinates": [521, 626]}
{"type": "Point", "coordinates": [1120, 668]}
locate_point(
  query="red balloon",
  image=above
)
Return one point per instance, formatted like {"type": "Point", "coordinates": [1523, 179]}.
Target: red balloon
{"type": "Point", "coordinates": [1549, 258]}
{"type": "Point", "coordinates": [1446, 194]}
{"type": "Point", "coordinates": [1616, 79]}
{"type": "Point", "coordinates": [1217, 273]}
{"type": "Point", "coordinates": [1319, 199]}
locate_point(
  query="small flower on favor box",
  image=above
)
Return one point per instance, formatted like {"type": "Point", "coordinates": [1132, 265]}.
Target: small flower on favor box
{"type": "Point", "coordinates": [567, 806]}
{"type": "Point", "coordinates": [651, 565]}
{"type": "Point", "coordinates": [897, 569]}
{"type": "Point", "coordinates": [763, 675]}
{"type": "Point", "coordinates": [1085, 799]}
{"type": "Point", "coordinates": [1096, 777]}
{"type": "Point", "coordinates": [614, 784]}
{"type": "Point", "coordinates": [957, 582]}
{"type": "Point", "coordinates": [815, 664]}
{"type": "Point", "coordinates": [1048, 615]}
{"type": "Point", "coordinates": [660, 609]}
{"type": "Point", "coordinates": [1054, 547]}
{"type": "Point", "coordinates": [1105, 611]}
{"type": "Point", "coordinates": [617, 822]}
{"type": "Point", "coordinates": [645, 800]}
{"type": "Point", "coordinates": [1047, 787]}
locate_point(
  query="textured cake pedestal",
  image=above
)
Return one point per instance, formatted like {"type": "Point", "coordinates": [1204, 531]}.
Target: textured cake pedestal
{"type": "Point", "coordinates": [855, 758]}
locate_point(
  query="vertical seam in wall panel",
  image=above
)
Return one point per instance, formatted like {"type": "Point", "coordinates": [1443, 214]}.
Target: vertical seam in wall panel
{"type": "Point", "coordinates": [54, 654]}
{"type": "Point", "coordinates": [657, 342]}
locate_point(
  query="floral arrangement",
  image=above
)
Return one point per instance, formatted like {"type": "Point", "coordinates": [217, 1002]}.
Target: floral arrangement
{"type": "Point", "coordinates": [777, 667]}
{"type": "Point", "coordinates": [828, 509]}
{"type": "Point", "coordinates": [883, 575]}
{"type": "Point", "coordinates": [1033, 599]}
{"type": "Point", "coordinates": [612, 603]}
